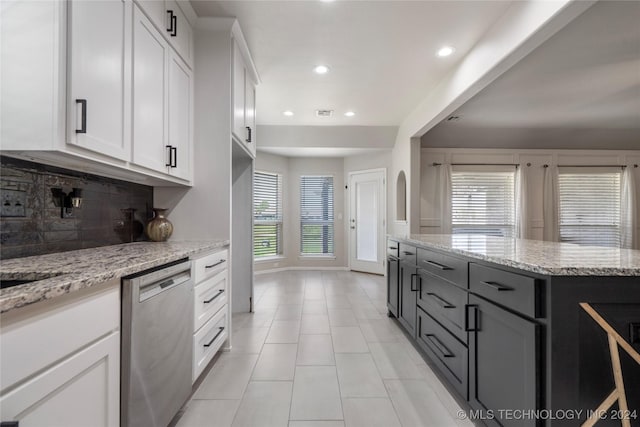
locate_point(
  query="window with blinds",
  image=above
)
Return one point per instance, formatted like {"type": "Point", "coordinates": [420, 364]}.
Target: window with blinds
{"type": "Point", "coordinates": [483, 203]}
{"type": "Point", "coordinates": [316, 215]}
{"type": "Point", "coordinates": [267, 214]}
{"type": "Point", "coordinates": [590, 208]}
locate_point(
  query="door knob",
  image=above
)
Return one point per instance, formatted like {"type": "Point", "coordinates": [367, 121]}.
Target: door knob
{"type": "Point", "coordinates": [353, 227]}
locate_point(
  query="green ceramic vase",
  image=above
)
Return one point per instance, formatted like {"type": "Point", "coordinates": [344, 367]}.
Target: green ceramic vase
{"type": "Point", "coordinates": [159, 229]}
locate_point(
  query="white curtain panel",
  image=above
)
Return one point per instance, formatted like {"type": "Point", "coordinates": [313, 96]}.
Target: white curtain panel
{"type": "Point", "coordinates": [444, 184]}
{"type": "Point", "coordinates": [629, 211]}
{"type": "Point", "coordinates": [551, 204]}
{"type": "Point", "coordinates": [522, 217]}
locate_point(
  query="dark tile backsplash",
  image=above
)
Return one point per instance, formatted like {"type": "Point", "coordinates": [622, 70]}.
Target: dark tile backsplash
{"type": "Point", "coordinates": [38, 228]}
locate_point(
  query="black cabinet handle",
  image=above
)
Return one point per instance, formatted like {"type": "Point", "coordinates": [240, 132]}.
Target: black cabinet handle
{"type": "Point", "coordinates": [83, 116]}
{"type": "Point", "coordinates": [173, 24]}
{"type": "Point", "coordinates": [392, 248]}
{"type": "Point", "coordinates": [408, 253]}
{"type": "Point", "coordinates": [471, 318]}
{"type": "Point", "coordinates": [174, 152]}
{"type": "Point", "coordinates": [215, 263]}
{"type": "Point", "coordinates": [214, 337]}
{"type": "Point", "coordinates": [248, 134]}
{"type": "Point", "coordinates": [441, 301]}
{"type": "Point", "coordinates": [10, 424]}
{"type": "Point", "coordinates": [437, 265]}
{"type": "Point", "coordinates": [438, 344]}
{"type": "Point", "coordinates": [169, 162]}
{"type": "Point", "coordinates": [411, 284]}
{"type": "Point", "coordinates": [497, 286]}
{"type": "Point", "coordinates": [220, 292]}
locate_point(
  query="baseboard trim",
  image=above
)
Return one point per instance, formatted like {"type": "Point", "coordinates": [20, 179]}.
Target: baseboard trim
{"type": "Point", "coordinates": [277, 270]}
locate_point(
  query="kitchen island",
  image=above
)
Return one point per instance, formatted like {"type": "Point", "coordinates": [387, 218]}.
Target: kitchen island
{"type": "Point", "coordinates": [527, 332]}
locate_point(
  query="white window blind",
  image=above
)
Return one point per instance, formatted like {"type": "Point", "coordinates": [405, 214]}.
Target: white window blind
{"type": "Point", "coordinates": [267, 214]}
{"type": "Point", "coordinates": [483, 203]}
{"type": "Point", "coordinates": [590, 208]}
{"type": "Point", "coordinates": [316, 215]}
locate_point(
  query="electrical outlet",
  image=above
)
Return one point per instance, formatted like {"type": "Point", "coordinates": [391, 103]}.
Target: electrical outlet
{"type": "Point", "coordinates": [13, 203]}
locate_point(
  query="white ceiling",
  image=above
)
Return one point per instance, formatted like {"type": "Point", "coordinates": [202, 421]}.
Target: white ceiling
{"type": "Point", "coordinates": [381, 54]}
{"type": "Point", "coordinates": [580, 89]}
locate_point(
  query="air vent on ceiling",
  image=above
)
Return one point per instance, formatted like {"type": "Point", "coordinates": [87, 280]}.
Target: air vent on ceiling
{"type": "Point", "coordinates": [324, 113]}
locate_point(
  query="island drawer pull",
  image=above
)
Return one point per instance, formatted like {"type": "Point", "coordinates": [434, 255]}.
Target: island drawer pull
{"type": "Point", "coordinates": [437, 265]}
{"type": "Point", "coordinates": [393, 248]}
{"type": "Point", "coordinates": [441, 301]}
{"type": "Point", "coordinates": [438, 344]}
{"type": "Point", "coordinates": [220, 292]}
{"type": "Point", "coordinates": [214, 337]}
{"type": "Point", "coordinates": [496, 286]}
{"type": "Point", "coordinates": [215, 264]}
{"type": "Point", "coordinates": [408, 253]}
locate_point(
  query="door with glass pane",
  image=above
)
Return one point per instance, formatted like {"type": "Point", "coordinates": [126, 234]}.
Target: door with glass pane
{"type": "Point", "coordinates": [367, 224]}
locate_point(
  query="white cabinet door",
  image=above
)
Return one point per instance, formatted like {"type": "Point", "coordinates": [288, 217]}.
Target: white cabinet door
{"type": "Point", "coordinates": [238, 94]}
{"type": "Point", "coordinates": [180, 32]}
{"type": "Point", "coordinates": [82, 390]}
{"type": "Point", "coordinates": [150, 58]}
{"type": "Point", "coordinates": [250, 114]}
{"type": "Point", "coordinates": [156, 12]}
{"type": "Point", "coordinates": [179, 117]}
{"type": "Point", "coordinates": [99, 76]}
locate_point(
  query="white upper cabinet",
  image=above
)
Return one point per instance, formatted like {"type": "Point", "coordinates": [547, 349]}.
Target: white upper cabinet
{"type": "Point", "coordinates": [150, 57]}
{"type": "Point", "coordinates": [244, 99]}
{"type": "Point", "coordinates": [171, 20]}
{"type": "Point", "coordinates": [162, 103]}
{"type": "Point", "coordinates": [99, 76]}
{"type": "Point", "coordinates": [86, 85]}
{"type": "Point", "coordinates": [180, 118]}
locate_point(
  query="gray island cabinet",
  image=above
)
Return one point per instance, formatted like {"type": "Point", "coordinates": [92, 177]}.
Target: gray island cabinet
{"type": "Point", "coordinates": [529, 333]}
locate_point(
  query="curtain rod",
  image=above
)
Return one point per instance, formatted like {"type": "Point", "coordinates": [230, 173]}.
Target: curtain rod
{"type": "Point", "coordinates": [480, 164]}
{"type": "Point", "coordinates": [591, 166]}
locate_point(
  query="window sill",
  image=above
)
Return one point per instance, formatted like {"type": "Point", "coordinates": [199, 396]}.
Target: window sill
{"type": "Point", "coordinates": [269, 259]}
{"type": "Point", "coordinates": [317, 257]}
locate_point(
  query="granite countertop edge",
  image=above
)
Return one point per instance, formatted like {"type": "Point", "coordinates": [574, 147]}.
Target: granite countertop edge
{"type": "Point", "coordinates": [82, 276]}
{"type": "Point", "coordinates": [603, 271]}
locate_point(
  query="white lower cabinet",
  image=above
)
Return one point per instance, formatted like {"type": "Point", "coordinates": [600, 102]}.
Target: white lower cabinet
{"type": "Point", "coordinates": [60, 361]}
{"type": "Point", "coordinates": [212, 314]}
{"type": "Point", "coordinates": [81, 391]}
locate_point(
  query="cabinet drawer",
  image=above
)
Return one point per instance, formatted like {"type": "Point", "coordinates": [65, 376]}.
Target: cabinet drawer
{"type": "Point", "coordinates": [393, 248]}
{"type": "Point", "coordinates": [208, 340]}
{"type": "Point", "coordinates": [449, 354]}
{"type": "Point", "coordinates": [210, 296]}
{"type": "Point", "coordinates": [443, 301]}
{"type": "Point", "coordinates": [448, 267]}
{"type": "Point", "coordinates": [209, 265]}
{"type": "Point", "coordinates": [514, 291]}
{"type": "Point", "coordinates": [408, 253]}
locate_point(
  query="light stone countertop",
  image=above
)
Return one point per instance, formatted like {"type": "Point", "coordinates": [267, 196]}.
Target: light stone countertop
{"type": "Point", "coordinates": [75, 270]}
{"type": "Point", "coordinates": [548, 258]}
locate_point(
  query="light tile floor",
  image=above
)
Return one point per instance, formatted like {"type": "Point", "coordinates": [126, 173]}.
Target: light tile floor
{"type": "Point", "coordinates": [319, 351]}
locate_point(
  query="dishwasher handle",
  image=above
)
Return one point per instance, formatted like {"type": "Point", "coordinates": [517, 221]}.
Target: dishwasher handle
{"type": "Point", "coordinates": [152, 289]}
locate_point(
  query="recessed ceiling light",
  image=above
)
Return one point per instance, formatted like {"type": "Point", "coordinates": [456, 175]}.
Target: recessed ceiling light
{"type": "Point", "coordinates": [326, 1]}
{"type": "Point", "coordinates": [349, 114]}
{"type": "Point", "coordinates": [288, 113]}
{"type": "Point", "coordinates": [445, 51]}
{"type": "Point", "coordinates": [321, 69]}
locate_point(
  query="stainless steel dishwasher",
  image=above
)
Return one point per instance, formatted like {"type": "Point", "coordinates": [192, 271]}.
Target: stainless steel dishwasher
{"type": "Point", "coordinates": [156, 351]}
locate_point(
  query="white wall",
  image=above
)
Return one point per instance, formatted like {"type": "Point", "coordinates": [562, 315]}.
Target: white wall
{"type": "Point", "coordinates": [363, 137]}
{"type": "Point", "coordinates": [429, 205]}
{"type": "Point", "coordinates": [523, 27]}
{"type": "Point", "coordinates": [292, 169]}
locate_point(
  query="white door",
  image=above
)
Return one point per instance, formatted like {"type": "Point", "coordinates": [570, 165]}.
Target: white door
{"type": "Point", "coordinates": [179, 118]}
{"type": "Point", "coordinates": [150, 59]}
{"type": "Point", "coordinates": [367, 221]}
{"type": "Point", "coordinates": [99, 65]}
